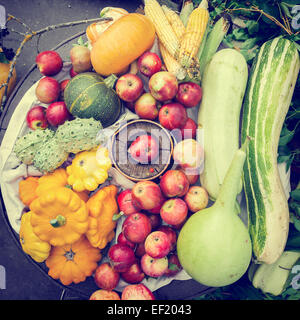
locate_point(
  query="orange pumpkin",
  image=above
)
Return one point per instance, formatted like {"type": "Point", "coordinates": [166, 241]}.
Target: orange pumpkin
{"type": "Point", "coordinates": [4, 71]}
{"type": "Point", "coordinates": [73, 262]}
{"type": "Point", "coordinates": [122, 43]}
{"type": "Point", "coordinates": [95, 29]}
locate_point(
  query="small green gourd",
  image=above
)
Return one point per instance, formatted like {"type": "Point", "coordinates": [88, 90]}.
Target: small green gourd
{"type": "Point", "coordinates": [27, 145]}
{"type": "Point", "coordinates": [214, 246]}
{"type": "Point", "coordinates": [50, 156]}
{"type": "Point", "coordinates": [78, 134]}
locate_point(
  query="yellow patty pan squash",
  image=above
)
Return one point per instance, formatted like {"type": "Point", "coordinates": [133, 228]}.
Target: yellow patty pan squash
{"type": "Point", "coordinates": [31, 244]}
{"type": "Point", "coordinates": [73, 262]}
{"type": "Point", "coordinates": [101, 207]}
{"type": "Point", "coordinates": [59, 216]}
{"type": "Point", "coordinates": [57, 178]}
{"type": "Point", "coordinates": [89, 169]}
{"type": "Point", "coordinates": [27, 190]}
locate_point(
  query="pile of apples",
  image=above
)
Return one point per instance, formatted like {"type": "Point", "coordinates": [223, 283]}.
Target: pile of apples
{"type": "Point", "coordinates": [50, 91]}
{"type": "Point", "coordinates": [166, 100]}
{"type": "Point", "coordinates": [146, 245]}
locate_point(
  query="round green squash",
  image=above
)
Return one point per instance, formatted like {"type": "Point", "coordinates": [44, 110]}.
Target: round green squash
{"type": "Point", "coordinates": [87, 95]}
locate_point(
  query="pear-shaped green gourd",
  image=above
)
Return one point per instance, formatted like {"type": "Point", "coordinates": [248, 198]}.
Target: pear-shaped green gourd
{"type": "Point", "coordinates": [214, 245]}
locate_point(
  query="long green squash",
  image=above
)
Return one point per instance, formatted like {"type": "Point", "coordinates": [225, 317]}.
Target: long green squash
{"type": "Point", "coordinates": [268, 96]}
{"type": "Point", "coordinates": [224, 84]}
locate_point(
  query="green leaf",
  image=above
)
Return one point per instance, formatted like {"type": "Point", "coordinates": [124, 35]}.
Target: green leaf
{"type": "Point", "coordinates": [240, 34]}
{"type": "Point", "coordinates": [81, 42]}
{"type": "Point", "coordinates": [295, 194]}
{"type": "Point", "coordinates": [249, 43]}
{"type": "Point", "coordinates": [282, 159]}
{"type": "Point", "coordinates": [252, 27]}
{"type": "Point", "coordinates": [173, 267]}
{"type": "Point", "coordinates": [287, 135]}
{"type": "Point", "coordinates": [297, 224]}
{"type": "Point", "coordinates": [3, 58]}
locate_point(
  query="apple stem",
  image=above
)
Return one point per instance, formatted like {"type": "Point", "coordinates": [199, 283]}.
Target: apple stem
{"type": "Point", "coordinates": [117, 216]}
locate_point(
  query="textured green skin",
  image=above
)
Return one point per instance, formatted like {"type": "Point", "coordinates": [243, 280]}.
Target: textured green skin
{"type": "Point", "coordinates": [50, 156]}
{"type": "Point", "coordinates": [26, 146]}
{"type": "Point", "coordinates": [78, 134]}
{"type": "Point", "coordinates": [263, 117]}
{"type": "Point", "coordinates": [87, 95]}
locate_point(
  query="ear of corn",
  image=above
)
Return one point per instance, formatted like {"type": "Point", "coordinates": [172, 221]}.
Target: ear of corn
{"type": "Point", "coordinates": [175, 21]}
{"type": "Point", "coordinates": [193, 35]}
{"type": "Point", "coordinates": [213, 41]}
{"type": "Point", "coordinates": [186, 10]}
{"type": "Point", "coordinates": [163, 28]}
{"type": "Point", "coordinates": [171, 63]}
{"type": "Point", "coordinates": [203, 42]}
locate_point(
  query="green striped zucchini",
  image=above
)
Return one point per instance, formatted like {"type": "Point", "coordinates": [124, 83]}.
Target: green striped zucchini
{"type": "Point", "coordinates": [268, 96]}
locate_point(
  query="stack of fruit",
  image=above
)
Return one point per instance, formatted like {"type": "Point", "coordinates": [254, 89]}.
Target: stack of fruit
{"type": "Point", "coordinates": [146, 245]}
{"type": "Point", "coordinates": [165, 99]}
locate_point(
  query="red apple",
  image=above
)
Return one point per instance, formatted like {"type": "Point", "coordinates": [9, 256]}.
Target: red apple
{"type": "Point", "coordinates": [106, 277]}
{"type": "Point", "coordinates": [155, 220]}
{"type": "Point", "coordinates": [144, 149]}
{"type": "Point", "coordinates": [174, 211]}
{"type": "Point", "coordinates": [157, 244]}
{"type": "Point", "coordinates": [47, 90]}
{"type": "Point", "coordinates": [121, 257]}
{"type": "Point", "coordinates": [172, 116]}
{"type": "Point", "coordinates": [104, 295]}
{"type": "Point", "coordinates": [163, 85]}
{"type": "Point", "coordinates": [122, 240]}
{"type": "Point", "coordinates": [156, 210]}
{"type": "Point", "coordinates": [174, 183]}
{"type": "Point", "coordinates": [57, 113]}
{"type": "Point", "coordinates": [146, 107]}
{"type": "Point", "coordinates": [196, 198]}
{"type": "Point", "coordinates": [174, 265]}
{"type": "Point", "coordinates": [80, 58]}
{"type": "Point", "coordinates": [189, 130]}
{"type": "Point", "coordinates": [146, 194]}
{"type": "Point", "coordinates": [63, 85]}
{"type": "Point", "coordinates": [49, 63]}
{"type": "Point", "coordinates": [171, 233]}
{"type": "Point", "coordinates": [149, 63]}
{"type": "Point", "coordinates": [154, 267]}
{"type": "Point", "coordinates": [189, 94]}
{"type": "Point", "coordinates": [191, 174]}
{"type": "Point", "coordinates": [137, 292]}
{"type": "Point", "coordinates": [36, 118]}
{"type": "Point", "coordinates": [126, 204]}
{"type": "Point", "coordinates": [136, 227]}
{"type": "Point", "coordinates": [134, 274]}
{"type": "Point", "coordinates": [140, 249]}
{"type": "Point", "coordinates": [180, 225]}
{"type": "Point", "coordinates": [189, 154]}
{"type": "Point", "coordinates": [129, 87]}
{"type": "Point", "coordinates": [73, 73]}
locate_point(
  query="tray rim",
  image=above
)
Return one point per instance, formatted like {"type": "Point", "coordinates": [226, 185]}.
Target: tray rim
{"type": "Point", "coordinates": [169, 158]}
